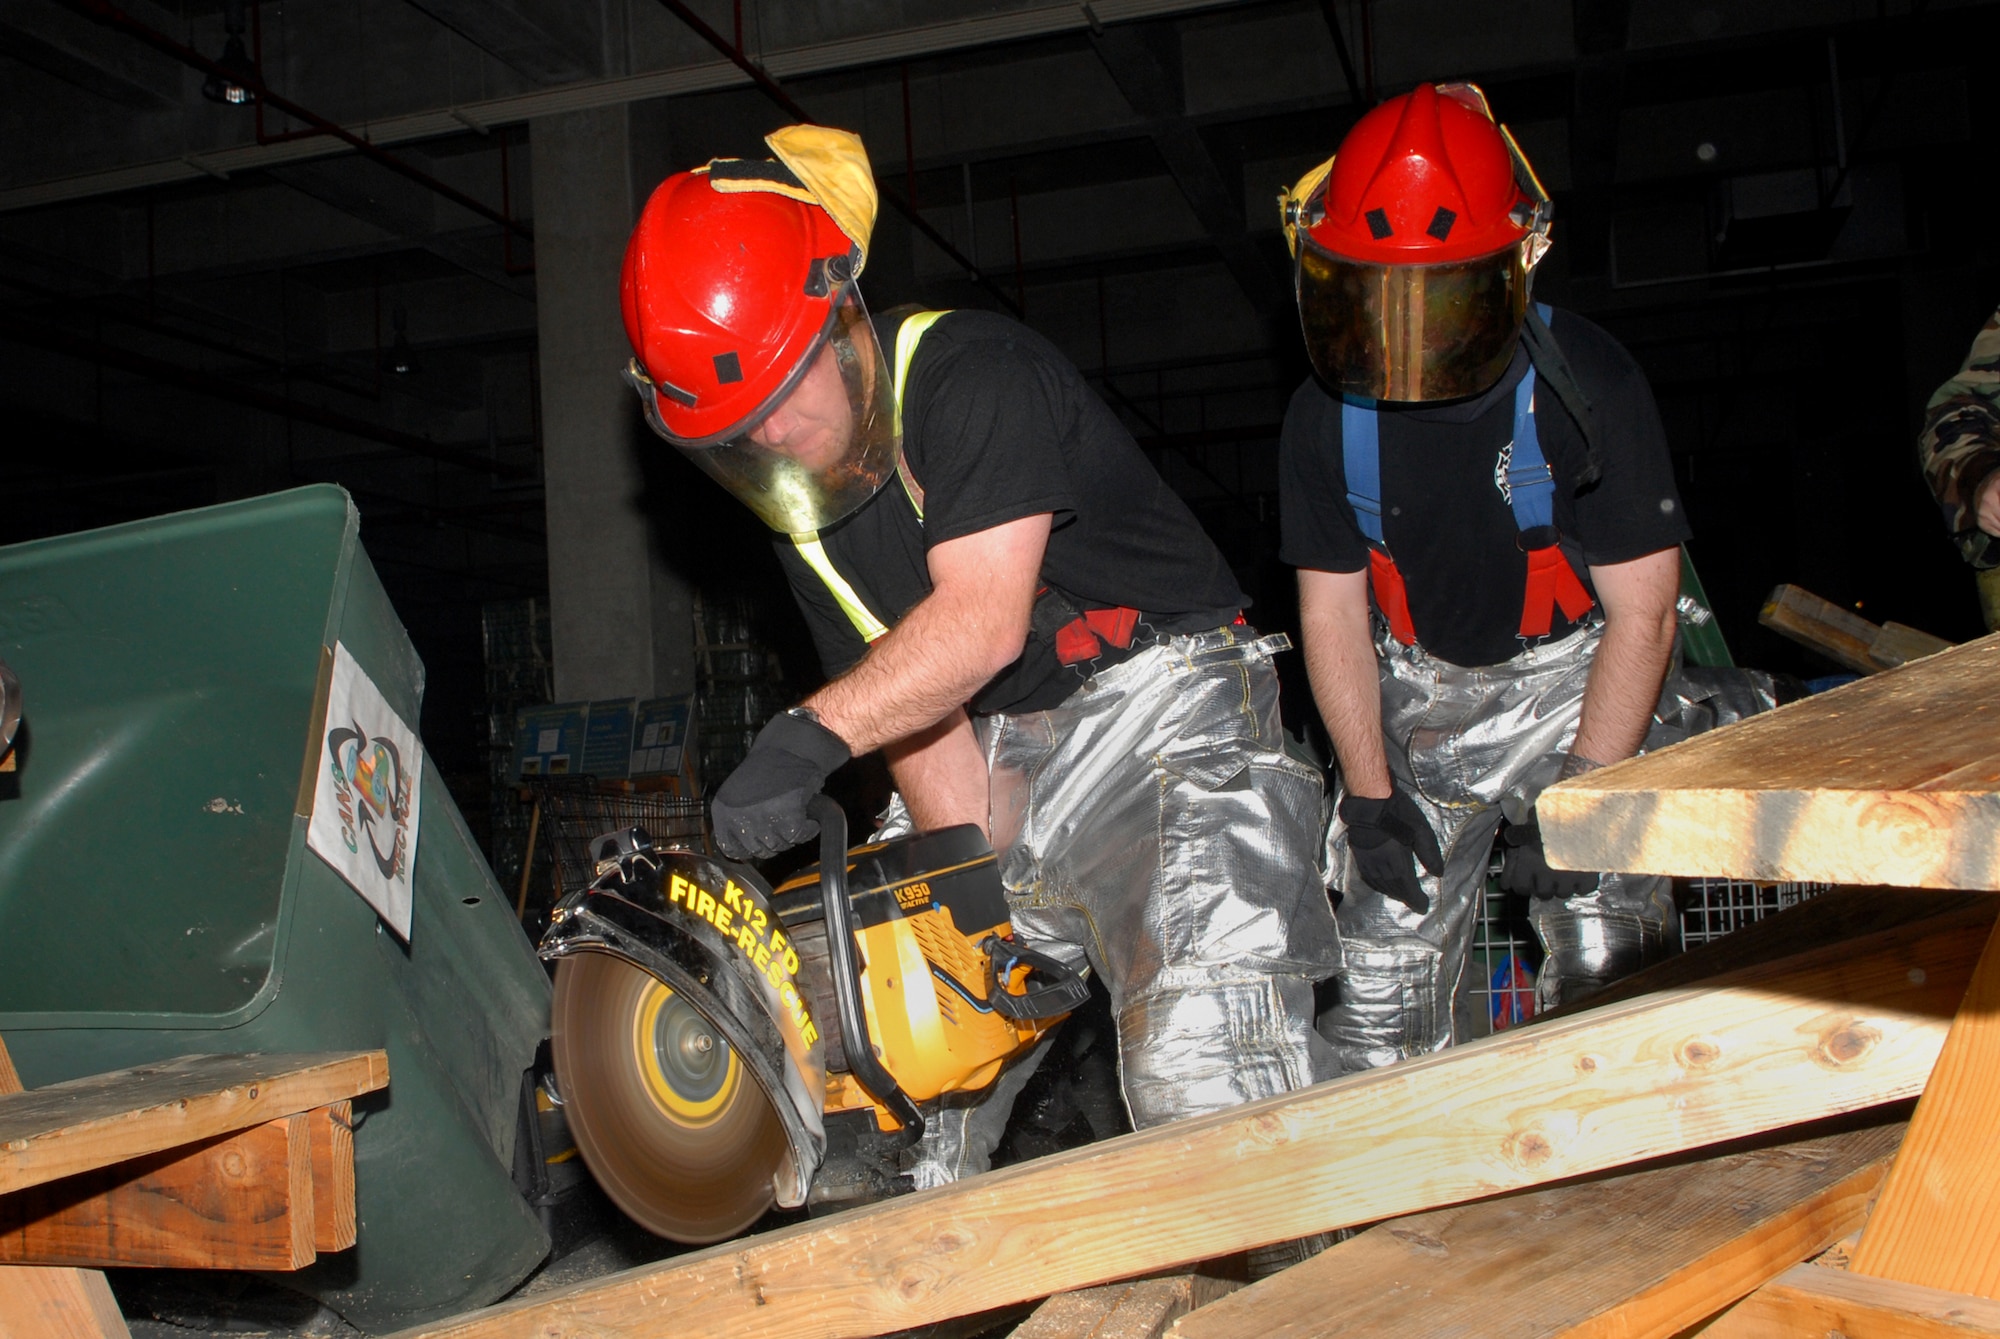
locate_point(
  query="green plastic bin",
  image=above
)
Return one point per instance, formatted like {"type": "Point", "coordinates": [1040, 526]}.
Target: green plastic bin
{"type": "Point", "coordinates": [157, 897]}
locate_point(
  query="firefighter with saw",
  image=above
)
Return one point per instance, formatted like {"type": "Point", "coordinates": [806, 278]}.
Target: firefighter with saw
{"type": "Point", "coordinates": [1014, 609]}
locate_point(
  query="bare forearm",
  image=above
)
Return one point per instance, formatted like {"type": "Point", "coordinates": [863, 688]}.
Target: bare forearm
{"type": "Point", "coordinates": [1340, 662]}
{"type": "Point", "coordinates": [1632, 659]}
{"type": "Point", "coordinates": [971, 626]}
{"type": "Point", "coordinates": [910, 679]}
{"type": "Point", "coordinates": [941, 774]}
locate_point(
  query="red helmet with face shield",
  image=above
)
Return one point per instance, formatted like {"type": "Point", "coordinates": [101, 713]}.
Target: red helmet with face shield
{"type": "Point", "coordinates": [754, 352]}
{"type": "Point", "coordinates": [1413, 246]}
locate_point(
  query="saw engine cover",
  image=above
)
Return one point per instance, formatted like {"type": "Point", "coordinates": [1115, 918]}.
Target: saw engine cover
{"type": "Point", "coordinates": [704, 1031]}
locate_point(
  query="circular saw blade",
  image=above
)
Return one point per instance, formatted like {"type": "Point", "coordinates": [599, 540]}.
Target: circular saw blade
{"type": "Point", "coordinates": [666, 1115]}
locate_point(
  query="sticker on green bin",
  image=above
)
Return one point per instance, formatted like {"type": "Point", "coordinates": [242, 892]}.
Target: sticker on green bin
{"type": "Point", "coordinates": [365, 801]}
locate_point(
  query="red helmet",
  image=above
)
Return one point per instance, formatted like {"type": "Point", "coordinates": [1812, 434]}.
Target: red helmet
{"type": "Point", "coordinates": [724, 293]}
{"type": "Point", "coordinates": [1413, 245]}
{"type": "Point", "coordinates": [755, 354]}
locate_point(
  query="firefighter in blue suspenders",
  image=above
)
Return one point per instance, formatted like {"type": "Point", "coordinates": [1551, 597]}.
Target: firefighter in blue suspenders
{"type": "Point", "coordinates": [1477, 495]}
{"type": "Point", "coordinates": [1014, 608]}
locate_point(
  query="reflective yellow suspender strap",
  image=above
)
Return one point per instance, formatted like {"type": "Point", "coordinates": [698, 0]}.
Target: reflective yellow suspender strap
{"type": "Point", "coordinates": [864, 621]}
{"type": "Point", "coordinates": [809, 546]}
{"type": "Point", "coordinates": [907, 335]}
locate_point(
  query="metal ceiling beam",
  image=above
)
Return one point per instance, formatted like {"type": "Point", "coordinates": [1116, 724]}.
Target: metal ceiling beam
{"type": "Point", "coordinates": [819, 58]}
{"type": "Point", "coordinates": [115, 18]}
{"type": "Point", "coordinates": [771, 89]}
{"type": "Point", "coordinates": [1601, 29]}
{"type": "Point", "coordinates": [550, 43]}
{"type": "Point", "coordinates": [62, 44]}
{"type": "Point", "coordinates": [1144, 60]}
{"type": "Point", "coordinates": [222, 388]}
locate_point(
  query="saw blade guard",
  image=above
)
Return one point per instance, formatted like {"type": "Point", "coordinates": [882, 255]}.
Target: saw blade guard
{"type": "Point", "coordinates": [707, 932]}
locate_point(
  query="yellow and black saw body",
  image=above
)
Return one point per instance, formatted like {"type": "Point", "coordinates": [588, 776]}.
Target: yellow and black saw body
{"type": "Point", "coordinates": [705, 1033]}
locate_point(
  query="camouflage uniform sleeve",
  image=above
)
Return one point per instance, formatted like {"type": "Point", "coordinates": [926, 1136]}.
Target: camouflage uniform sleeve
{"type": "Point", "coordinates": [1959, 447]}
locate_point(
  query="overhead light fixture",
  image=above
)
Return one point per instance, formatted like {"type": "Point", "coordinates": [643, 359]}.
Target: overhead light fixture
{"type": "Point", "coordinates": [400, 358]}
{"type": "Point", "coordinates": [236, 83]}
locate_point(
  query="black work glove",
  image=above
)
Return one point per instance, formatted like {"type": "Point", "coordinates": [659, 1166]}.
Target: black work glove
{"type": "Point", "coordinates": [1383, 835]}
{"type": "Point", "coordinates": [761, 809]}
{"type": "Point", "coordinates": [1525, 868]}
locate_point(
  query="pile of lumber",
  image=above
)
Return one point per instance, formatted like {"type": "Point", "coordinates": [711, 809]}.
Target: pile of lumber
{"type": "Point", "coordinates": [1845, 1028]}
{"type": "Point", "coordinates": [203, 1162]}
{"type": "Point", "coordinates": [1691, 1152]}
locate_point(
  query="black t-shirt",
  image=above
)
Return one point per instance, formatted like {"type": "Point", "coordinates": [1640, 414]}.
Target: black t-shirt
{"type": "Point", "coordinates": [998, 425]}
{"type": "Point", "coordinates": [1444, 519]}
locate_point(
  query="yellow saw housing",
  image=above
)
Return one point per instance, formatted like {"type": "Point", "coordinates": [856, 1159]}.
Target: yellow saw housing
{"type": "Point", "coordinates": [702, 1022]}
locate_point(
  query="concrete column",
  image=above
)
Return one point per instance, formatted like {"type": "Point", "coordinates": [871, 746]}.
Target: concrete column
{"type": "Point", "coordinates": [621, 618]}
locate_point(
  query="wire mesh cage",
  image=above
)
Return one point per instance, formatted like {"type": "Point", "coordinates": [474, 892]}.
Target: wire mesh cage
{"type": "Point", "coordinates": [572, 811]}
{"type": "Point", "coordinates": [1712, 908]}
{"type": "Point", "coordinates": [1507, 955]}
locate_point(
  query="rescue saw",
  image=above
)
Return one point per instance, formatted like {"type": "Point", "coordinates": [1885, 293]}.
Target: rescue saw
{"type": "Point", "coordinates": [723, 1046]}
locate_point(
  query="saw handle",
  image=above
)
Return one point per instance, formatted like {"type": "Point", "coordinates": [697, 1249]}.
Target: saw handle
{"type": "Point", "coordinates": [876, 1081]}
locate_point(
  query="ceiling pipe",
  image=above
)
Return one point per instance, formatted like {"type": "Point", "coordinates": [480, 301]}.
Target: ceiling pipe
{"type": "Point", "coordinates": [113, 17]}
{"type": "Point", "coordinates": [207, 383]}
{"type": "Point", "coordinates": [770, 88]}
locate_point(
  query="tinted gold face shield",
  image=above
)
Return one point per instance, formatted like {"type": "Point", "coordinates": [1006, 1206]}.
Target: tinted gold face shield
{"type": "Point", "coordinates": [1411, 332]}
{"type": "Point", "coordinates": [1414, 331]}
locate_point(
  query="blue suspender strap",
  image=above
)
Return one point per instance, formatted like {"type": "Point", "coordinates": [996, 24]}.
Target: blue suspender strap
{"type": "Point", "coordinates": [1531, 484]}
{"type": "Point", "coordinates": [1361, 455]}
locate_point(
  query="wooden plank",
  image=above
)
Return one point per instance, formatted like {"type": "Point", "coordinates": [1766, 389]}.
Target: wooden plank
{"type": "Point", "coordinates": [1840, 635]}
{"type": "Point", "coordinates": [1832, 917]}
{"type": "Point", "coordinates": [58, 1304]}
{"type": "Point", "coordinates": [1806, 1300]}
{"type": "Point", "coordinates": [1894, 779]}
{"type": "Point", "coordinates": [1938, 1224]}
{"type": "Point", "coordinates": [1834, 1031]}
{"type": "Point", "coordinates": [1134, 1309]}
{"type": "Point", "coordinates": [40, 1303]}
{"type": "Point", "coordinates": [73, 1127]}
{"type": "Point", "coordinates": [334, 1221]}
{"type": "Point", "coordinates": [1639, 1256]}
{"type": "Point", "coordinates": [1899, 644]}
{"type": "Point", "coordinates": [241, 1201]}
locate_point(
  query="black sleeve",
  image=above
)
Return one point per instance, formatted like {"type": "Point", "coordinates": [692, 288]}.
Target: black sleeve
{"type": "Point", "coordinates": [991, 418]}
{"type": "Point", "coordinates": [839, 645]}
{"type": "Point", "coordinates": [1636, 509]}
{"type": "Point", "coordinates": [1316, 524]}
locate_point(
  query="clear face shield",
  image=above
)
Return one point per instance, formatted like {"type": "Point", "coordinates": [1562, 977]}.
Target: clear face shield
{"type": "Point", "coordinates": [821, 445]}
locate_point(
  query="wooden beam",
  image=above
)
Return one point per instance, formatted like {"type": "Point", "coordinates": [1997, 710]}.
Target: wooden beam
{"type": "Point", "coordinates": [1938, 1224]}
{"type": "Point", "coordinates": [241, 1201]}
{"type": "Point", "coordinates": [58, 1304]}
{"type": "Point", "coordinates": [1808, 1300]}
{"type": "Point", "coordinates": [38, 1303]}
{"type": "Point", "coordinates": [1639, 1256]}
{"type": "Point", "coordinates": [78, 1126]}
{"type": "Point", "coordinates": [1840, 635]}
{"type": "Point", "coordinates": [1833, 917]}
{"type": "Point", "coordinates": [1899, 644]}
{"type": "Point", "coordinates": [1134, 1309]}
{"type": "Point", "coordinates": [1893, 779]}
{"type": "Point", "coordinates": [1835, 1031]}
{"type": "Point", "coordinates": [332, 1135]}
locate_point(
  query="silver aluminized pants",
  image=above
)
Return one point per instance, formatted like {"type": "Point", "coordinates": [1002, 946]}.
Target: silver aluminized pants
{"type": "Point", "coordinates": [1470, 745]}
{"type": "Point", "coordinates": [1153, 827]}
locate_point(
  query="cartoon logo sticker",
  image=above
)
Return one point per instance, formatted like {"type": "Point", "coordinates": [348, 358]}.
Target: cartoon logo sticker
{"type": "Point", "coordinates": [364, 818]}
